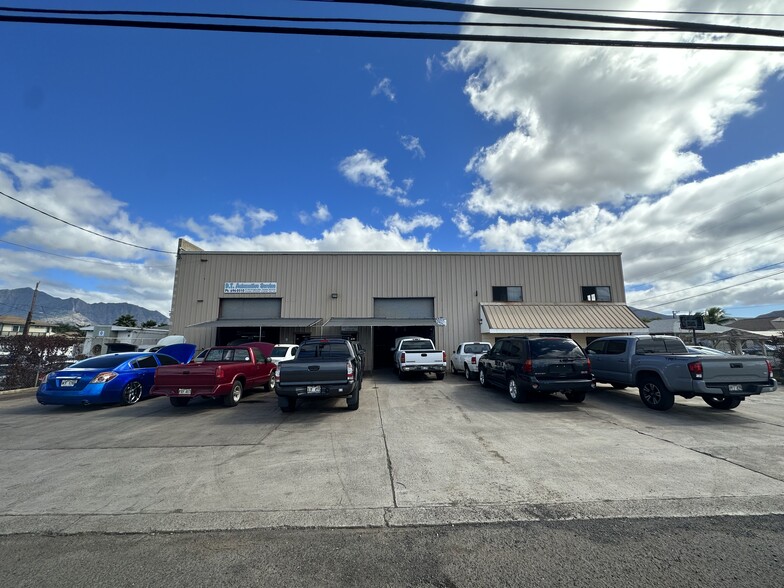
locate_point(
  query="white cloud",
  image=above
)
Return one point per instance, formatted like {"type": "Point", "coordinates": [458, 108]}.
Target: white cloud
{"type": "Point", "coordinates": [596, 125]}
{"type": "Point", "coordinates": [384, 87]}
{"type": "Point", "coordinates": [365, 169]}
{"type": "Point", "coordinates": [698, 233]}
{"type": "Point", "coordinates": [402, 225]}
{"type": "Point", "coordinates": [234, 225]}
{"type": "Point", "coordinates": [412, 144]}
{"type": "Point", "coordinates": [259, 217]}
{"type": "Point", "coordinates": [407, 202]}
{"type": "Point", "coordinates": [463, 224]}
{"type": "Point", "coordinates": [320, 215]}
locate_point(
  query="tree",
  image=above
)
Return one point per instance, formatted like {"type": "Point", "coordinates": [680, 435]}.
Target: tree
{"type": "Point", "coordinates": [149, 324]}
{"type": "Point", "coordinates": [715, 315]}
{"type": "Point", "coordinates": [125, 320]}
{"type": "Point", "coordinates": [30, 356]}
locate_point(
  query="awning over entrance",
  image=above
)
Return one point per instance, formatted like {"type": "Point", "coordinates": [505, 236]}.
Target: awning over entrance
{"type": "Point", "coordinates": [260, 322]}
{"type": "Point", "coordinates": [379, 322]}
{"type": "Point", "coordinates": [591, 317]}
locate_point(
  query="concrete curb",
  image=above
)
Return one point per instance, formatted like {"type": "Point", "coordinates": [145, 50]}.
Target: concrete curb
{"type": "Point", "coordinates": [17, 391]}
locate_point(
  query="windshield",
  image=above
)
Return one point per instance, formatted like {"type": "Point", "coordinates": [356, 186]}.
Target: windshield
{"type": "Point", "coordinates": [101, 362]}
{"type": "Point", "coordinates": [423, 345]}
{"type": "Point", "coordinates": [555, 349]}
{"type": "Point", "coordinates": [326, 350]}
{"type": "Point", "coordinates": [279, 352]}
{"type": "Point", "coordinates": [477, 348]}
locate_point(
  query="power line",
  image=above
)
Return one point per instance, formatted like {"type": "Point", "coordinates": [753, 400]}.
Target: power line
{"type": "Point", "coordinates": [92, 260]}
{"type": "Point", "coordinates": [358, 33]}
{"type": "Point", "coordinates": [70, 224]}
{"type": "Point", "coordinates": [564, 15]}
{"type": "Point", "coordinates": [323, 20]}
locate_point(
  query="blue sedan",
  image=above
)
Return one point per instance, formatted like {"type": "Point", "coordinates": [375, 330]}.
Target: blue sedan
{"type": "Point", "coordinates": [123, 378]}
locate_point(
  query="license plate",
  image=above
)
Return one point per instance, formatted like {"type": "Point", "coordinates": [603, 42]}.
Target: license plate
{"type": "Point", "coordinates": [68, 383]}
{"type": "Point", "coordinates": [736, 388]}
{"type": "Point", "coordinates": [184, 391]}
{"type": "Point", "coordinates": [313, 390]}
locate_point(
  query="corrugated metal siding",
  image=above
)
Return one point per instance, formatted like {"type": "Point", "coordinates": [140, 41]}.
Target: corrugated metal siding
{"type": "Point", "coordinates": [458, 283]}
{"type": "Point", "coordinates": [544, 317]}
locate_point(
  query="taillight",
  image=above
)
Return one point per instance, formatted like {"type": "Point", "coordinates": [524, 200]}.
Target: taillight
{"type": "Point", "coordinates": [403, 357]}
{"type": "Point", "coordinates": [277, 375]}
{"type": "Point", "coordinates": [695, 369]}
{"type": "Point", "coordinates": [588, 361]}
{"type": "Point", "coordinates": [528, 366]}
{"type": "Point", "coordinates": [770, 369]}
{"type": "Point", "coordinates": [473, 359]}
{"type": "Point", "coordinates": [443, 356]}
{"type": "Point", "coordinates": [350, 371]}
{"type": "Point", "coordinates": [218, 372]}
{"type": "Point", "coordinates": [104, 377]}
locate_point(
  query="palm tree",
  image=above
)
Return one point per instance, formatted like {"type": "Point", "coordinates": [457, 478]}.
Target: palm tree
{"type": "Point", "coordinates": [715, 315]}
{"type": "Point", "coordinates": [149, 324]}
{"type": "Point", "coordinates": [125, 320]}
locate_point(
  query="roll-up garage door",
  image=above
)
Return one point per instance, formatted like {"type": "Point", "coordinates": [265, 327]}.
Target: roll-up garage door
{"type": "Point", "coordinates": [403, 308]}
{"type": "Point", "coordinates": [249, 308]}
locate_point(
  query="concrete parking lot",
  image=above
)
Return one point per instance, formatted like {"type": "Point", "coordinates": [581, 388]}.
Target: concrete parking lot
{"type": "Point", "coordinates": [419, 452]}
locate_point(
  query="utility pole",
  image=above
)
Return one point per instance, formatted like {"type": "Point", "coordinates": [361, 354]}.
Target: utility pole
{"type": "Point", "coordinates": [29, 319]}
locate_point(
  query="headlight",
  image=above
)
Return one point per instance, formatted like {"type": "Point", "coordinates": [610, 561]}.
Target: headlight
{"type": "Point", "coordinates": [104, 377]}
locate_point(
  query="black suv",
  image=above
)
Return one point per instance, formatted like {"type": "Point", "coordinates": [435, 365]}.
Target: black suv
{"type": "Point", "coordinates": [522, 365]}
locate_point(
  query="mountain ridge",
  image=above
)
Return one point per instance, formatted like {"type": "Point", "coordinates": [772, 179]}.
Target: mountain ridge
{"type": "Point", "coordinates": [50, 309]}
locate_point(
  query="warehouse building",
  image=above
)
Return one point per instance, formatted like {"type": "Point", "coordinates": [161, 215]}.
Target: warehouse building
{"type": "Point", "coordinates": [280, 297]}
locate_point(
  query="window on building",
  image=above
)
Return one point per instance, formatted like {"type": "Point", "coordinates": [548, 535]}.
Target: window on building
{"type": "Point", "coordinates": [596, 294]}
{"type": "Point", "coordinates": [507, 293]}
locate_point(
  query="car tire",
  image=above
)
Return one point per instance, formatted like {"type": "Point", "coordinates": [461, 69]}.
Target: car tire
{"type": "Point", "coordinates": [722, 402]}
{"type": "Point", "coordinates": [483, 378]}
{"type": "Point", "coordinates": [516, 393]}
{"type": "Point", "coordinates": [654, 394]}
{"type": "Point", "coordinates": [452, 366]}
{"type": "Point", "coordinates": [575, 395]}
{"type": "Point", "coordinates": [287, 403]}
{"type": "Point", "coordinates": [270, 385]}
{"type": "Point", "coordinates": [618, 386]}
{"type": "Point", "coordinates": [178, 401]}
{"type": "Point", "coordinates": [467, 373]}
{"type": "Point", "coordinates": [353, 400]}
{"type": "Point", "coordinates": [233, 397]}
{"type": "Point", "coordinates": [132, 393]}
{"type": "Point", "coordinates": [401, 374]}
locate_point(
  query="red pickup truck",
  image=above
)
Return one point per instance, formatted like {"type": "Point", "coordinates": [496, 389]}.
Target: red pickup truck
{"type": "Point", "coordinates": [225, 372]}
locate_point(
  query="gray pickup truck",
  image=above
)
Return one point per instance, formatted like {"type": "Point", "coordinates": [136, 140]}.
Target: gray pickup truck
{"type": "Point", "coordinates": [322, 368]}
{"type": "Point", "coordinates": [661, 367]}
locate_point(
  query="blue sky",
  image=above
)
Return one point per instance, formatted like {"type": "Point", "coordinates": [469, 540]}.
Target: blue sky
{"type": "Point", "coordinates": [268, 142]}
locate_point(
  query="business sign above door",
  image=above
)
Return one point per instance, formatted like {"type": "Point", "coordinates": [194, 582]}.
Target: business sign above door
{"type": "Point", "coordinates": [250, 287]}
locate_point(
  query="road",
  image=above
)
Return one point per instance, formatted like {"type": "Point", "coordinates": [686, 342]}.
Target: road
{"type": "Point", "coordinates": [440, 483]}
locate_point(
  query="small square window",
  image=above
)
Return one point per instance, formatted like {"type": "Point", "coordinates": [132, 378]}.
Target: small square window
{"type": "Point", "coordinates": [596, 294]}
{"type": "Point", "coordinates": [507, 293]}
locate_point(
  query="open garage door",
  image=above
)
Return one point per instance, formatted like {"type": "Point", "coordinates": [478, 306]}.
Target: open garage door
{"type": "Point", "coordinates": [400, 314]}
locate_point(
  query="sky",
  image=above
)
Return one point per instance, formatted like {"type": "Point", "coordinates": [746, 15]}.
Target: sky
{"type": "Point", "coordinates": [253, 142]}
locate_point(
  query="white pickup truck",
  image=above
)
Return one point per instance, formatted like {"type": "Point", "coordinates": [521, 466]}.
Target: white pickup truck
{"type": "Point", "coordinates": [417, 355]}
{"type": "Point", "coordinates": [466, 358]}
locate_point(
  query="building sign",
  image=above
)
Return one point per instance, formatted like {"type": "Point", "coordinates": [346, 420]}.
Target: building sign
{"type": "Point", "coordinates": [250, 287]}
{"type": "Point", "coordinates": [441, 321]}
{"type": "Point", "coordinates": [693, 322]}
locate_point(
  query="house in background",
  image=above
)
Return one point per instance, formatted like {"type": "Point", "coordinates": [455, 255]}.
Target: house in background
{"type": "Point", "coordinates": [14, 325]}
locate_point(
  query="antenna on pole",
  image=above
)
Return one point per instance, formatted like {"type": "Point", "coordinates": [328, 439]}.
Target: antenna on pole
{"type": "Point", "coordinates": [29, 319]}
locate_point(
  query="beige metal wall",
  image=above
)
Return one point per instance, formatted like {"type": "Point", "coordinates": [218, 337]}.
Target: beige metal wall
{"type": "Point", "coordinates": [458, 282]}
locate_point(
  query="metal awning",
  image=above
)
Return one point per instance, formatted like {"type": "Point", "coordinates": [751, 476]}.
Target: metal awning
{"type": "Point", "coordinates": [589, 317]}
{"type": "Point", "coordinates": [260, 322]}
{"type": "Point", "coordinates": [379, 322]}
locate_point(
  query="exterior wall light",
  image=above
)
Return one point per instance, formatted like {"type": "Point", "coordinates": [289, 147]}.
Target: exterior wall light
{"type": "Point", "coordinates": [334, 295]}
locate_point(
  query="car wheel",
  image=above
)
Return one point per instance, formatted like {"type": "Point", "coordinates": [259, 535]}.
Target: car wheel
{"type": "Point", "coordinates": [270, 385]}
{"type": "Point", "coordinates": [233, 397]}
{"type": "Point", "coordinates": [177, 401]}
{"type": "Point", "coordinates": [467, 372]}
{"type": "Point", "coordinates": [722, 403]}
{"type": "Point", "coordinates": [575, 395]}
{"type": "Point", "coordinates": [483, 378]}
{"type": "Point", "coordinates": [654, 394]}
{"type": "Point", "coordinates": [353, 400]}
{"type": "Point", "coordinates": [440, 375]}
{"type": "Point", "coordinates": [132, 393]}
{"type": "Point", "coordinates": [617, 386]}
{"type": "Point", "coordinates": [401, 374]}
{"type": "Point", "coordinates": [454, 371]}
{"type": "Point", "coordinates": [287, 404]}
{"type": "Point", "coordinates": [516, 393]}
